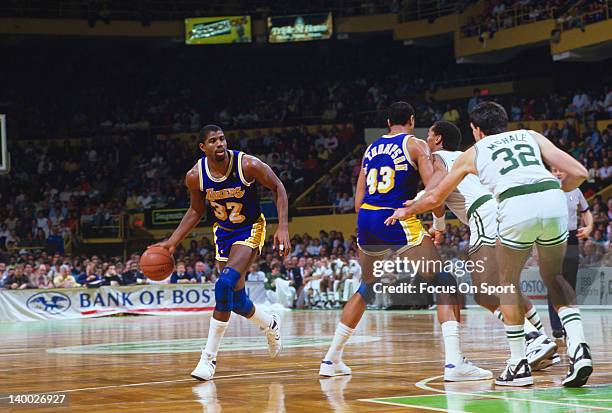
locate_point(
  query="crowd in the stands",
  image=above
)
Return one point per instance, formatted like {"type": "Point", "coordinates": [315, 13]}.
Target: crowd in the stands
{"type": "Point", "coordinates": [504, 14]}
{"type": "Point", "coordinates": [576, 133]}
{"type": "Point", "coordinates": [184, 92]}
{"type": "Point", "coordinates": [54, 186]}
{"type": "Point", "coordinates": [296, 155]}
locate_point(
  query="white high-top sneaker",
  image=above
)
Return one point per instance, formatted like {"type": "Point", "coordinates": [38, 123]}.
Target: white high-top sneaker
{"type": "Point", "coordinates": [465, 371]}
{"type": "Point", "coordinates": [331, 369]}
{"type": "Point", "coordinates": [275, 342]}
{"type": "Point", "coordinates": [205, 370]}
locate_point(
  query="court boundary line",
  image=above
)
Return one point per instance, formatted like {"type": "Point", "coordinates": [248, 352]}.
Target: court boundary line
{"type": "Point", "coordinates": [259, 373]}
{"type": "Point", "coordinates": [423, 385]}
{"type": "Point", "coordinates": [261, 345]}
{"type": "Point", "coordinates": [229, 376]}
{"type": "Point", "coordinates": [435, 409]}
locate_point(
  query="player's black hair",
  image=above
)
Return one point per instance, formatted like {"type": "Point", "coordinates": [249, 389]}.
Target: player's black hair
{"type": "Point", "coordinates": [490, 117]}
{"type": "Point", "coordinates": [451, 135]}
{"type": "Point", "coordinates": [206, 130]}
{"type": "Point", "coordinates": [399, 113]}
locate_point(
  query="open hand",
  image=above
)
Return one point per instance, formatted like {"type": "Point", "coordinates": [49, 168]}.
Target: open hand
{"type": "Point", "coordinates": [400, 214]}
{"type": "Point", "coordinates": [282, 243]}
{"type": "Point", "coordinates": [583, 232]}
{"type": "Point", "coordinates": [438, 236]}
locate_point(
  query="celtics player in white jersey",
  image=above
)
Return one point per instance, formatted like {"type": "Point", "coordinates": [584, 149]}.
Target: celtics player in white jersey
{"type": "Point", "coordinates": [531, 210]}
{"type": "Point", "coordinates": [474, 205]}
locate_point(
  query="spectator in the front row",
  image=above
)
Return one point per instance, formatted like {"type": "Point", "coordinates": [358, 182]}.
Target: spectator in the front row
{"type": "Point", "coordinates": [40, 279]}
{"type": "Point", "coordinates": [4, 272]}
{"type": "Point", "coordinates": [203, 273]}
{"type": "Point", "coordinates": [89, 278]}
{"type": "Point", "coordinates": [64, 279]}
{"type": "Point", "coordinates": [17, 280]}
{"type": "Point", "coordinates": [295, 272]}
{"type": "Point", "coordinates": [133, 275]}
{"type": "Point", "coordinates": [28, 271]}
{"type": "Point", "coordinates": [181, 276]}
{"type": "Point", "coordinates": [255, 274]}
{"type": "Point", "coordinates": [111, 277]}
{"type": "Point", "coordinates": [269, 283]}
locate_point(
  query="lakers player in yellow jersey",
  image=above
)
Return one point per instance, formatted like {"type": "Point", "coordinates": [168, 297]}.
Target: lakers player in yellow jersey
{"type": "Point", "coordinates": [228, 180]}
{"type": "Point", "coordinates": [391, 170]}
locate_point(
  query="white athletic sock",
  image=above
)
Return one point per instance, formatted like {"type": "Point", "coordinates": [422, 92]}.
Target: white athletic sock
{"type": "Point", "coordinates": [452, 344]}
{"type": "Point", "coordinates": [341, 336]}
{"type": "Point", "coordinates": [261, 318]}
{"type": "Point", "coordinates": [216, 330]}
{"type": "Point", "coordinates": [516, 340]}
{"type": "Point", "coordinates": [497, 313]}
{"type": "Point", "coordinates": [529, 328]}
{"type": "Point", "coordinates": [532, 318]}
{"type": "Point", "coordinates": [572, 323]}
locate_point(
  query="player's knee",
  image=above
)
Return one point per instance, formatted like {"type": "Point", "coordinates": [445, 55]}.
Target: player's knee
{"type": "Point", "coordinates": [242, 303]}
{"type": "Point", "coordinates": [224, 289]}
{"type": "Point", "coordinates": [367, 291]}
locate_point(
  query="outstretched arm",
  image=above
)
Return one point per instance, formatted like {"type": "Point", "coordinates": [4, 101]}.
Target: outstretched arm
{"type": "Point", "coordinates": [436, 196]}
{"type": "Point", "coordinates": [360, 190]}
{"type": "Point", "coordinates": [194, 214]}
{"type": "Point", "coordinates": [555, 157]}
{"type": "Point", "coordinates": [255, 169]}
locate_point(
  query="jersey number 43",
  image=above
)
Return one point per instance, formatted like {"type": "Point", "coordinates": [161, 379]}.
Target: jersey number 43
{"type": "Point", "coordinates": [382, 182]}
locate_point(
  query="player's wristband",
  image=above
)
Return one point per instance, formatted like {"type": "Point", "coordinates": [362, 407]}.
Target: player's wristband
{"type": "Point", "coordinates": [439, 224]}
{"type": "Point", "coordinates": [420, 195]}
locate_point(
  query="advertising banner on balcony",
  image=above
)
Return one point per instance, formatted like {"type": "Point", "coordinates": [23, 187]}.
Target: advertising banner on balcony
{"type": "Point", "coordinates": [166, 218]}
{"type": "Point", "coordinates": [300, 28]}
{"type": "Point", "coordinates": [218, 30]}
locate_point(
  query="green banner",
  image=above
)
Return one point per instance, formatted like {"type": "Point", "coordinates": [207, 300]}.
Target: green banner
{"type": "Point", "coordinates": [168, 217]}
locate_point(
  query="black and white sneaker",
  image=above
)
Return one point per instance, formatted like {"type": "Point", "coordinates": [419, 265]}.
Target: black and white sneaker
{"type": "Point", "coordinates": [517, 376]}
{"type": "Point", "coordinates": [581, 367]}
{"type": "Point", "coordinates": [539, 350]}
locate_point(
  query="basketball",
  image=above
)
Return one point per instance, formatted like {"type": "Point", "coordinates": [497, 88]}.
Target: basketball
{"type": "Point", "coordinates": [157, 263]}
